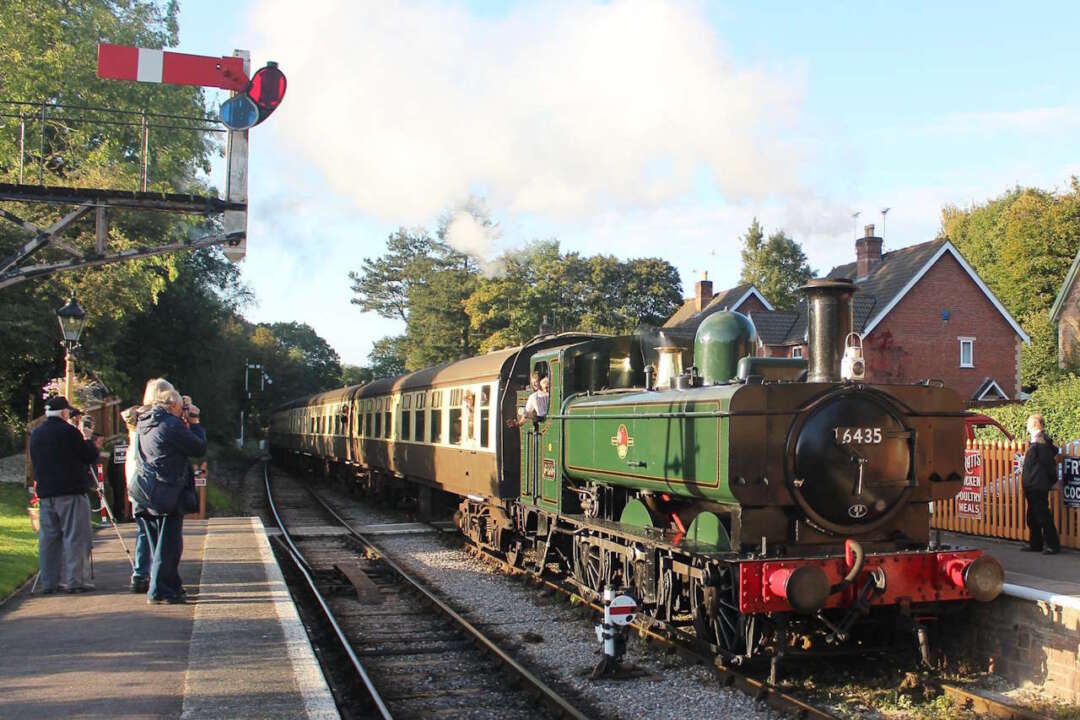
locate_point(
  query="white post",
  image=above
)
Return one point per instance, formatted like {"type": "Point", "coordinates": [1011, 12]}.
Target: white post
{"type": "Point", "coordinates": [236, 179]}
{"type": "Point", "coordinates": [609, 627]}
{"type": "Point", "coordinates": [241, 428]}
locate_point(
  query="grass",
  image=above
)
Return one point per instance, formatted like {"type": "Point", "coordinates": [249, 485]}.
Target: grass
{"type": "Point", "coordinates": [18, 542]}
{"type": "Point", "coordinates": [220, 502]}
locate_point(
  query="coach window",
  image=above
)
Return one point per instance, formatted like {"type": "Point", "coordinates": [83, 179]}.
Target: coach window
{"type": "Point", "coordinates": [386, 419]}
{"type": "Point", "coordinates": [378, 424]}
{"type": "Point", "coordinates": [436, 417]}
{"type": "Point", "coordinates": [454, 420]}
{"type": "Point", "coordinates": [405, 431]}
{"type": "Point", "coordinates": [485, 415]}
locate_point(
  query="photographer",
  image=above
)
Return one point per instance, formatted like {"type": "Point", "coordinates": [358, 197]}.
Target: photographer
{"type": "Point", "coordinates": [60, 455]}
{"type": "Point", "coordinates": [168, 435]}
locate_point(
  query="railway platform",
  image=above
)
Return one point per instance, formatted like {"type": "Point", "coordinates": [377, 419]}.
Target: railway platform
{"type": "Point", "coordinates": [237, 650]}
{"type": "Point", "coordinates": [1031, 634]}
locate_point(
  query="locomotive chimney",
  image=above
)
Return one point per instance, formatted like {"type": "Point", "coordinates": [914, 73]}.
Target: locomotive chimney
{"type": "Point", "coordinates": [829, 320]}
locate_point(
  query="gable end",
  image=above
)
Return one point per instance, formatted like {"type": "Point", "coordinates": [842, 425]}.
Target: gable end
{"type": "Point", "coordinates": [948, 247]}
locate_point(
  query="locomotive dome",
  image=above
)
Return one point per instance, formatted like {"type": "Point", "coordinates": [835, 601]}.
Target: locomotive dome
{"type": "Point", "coordinates": [723, 339]}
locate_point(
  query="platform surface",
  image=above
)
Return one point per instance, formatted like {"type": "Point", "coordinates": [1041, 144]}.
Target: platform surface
{"type": "Point", "coordinates": [1057, 575]}
{"type": "Point", "coordinates": [238, 650]}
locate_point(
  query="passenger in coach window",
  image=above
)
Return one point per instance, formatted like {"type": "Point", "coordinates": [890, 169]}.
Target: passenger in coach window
{"type": "Point", "coordinates": [1038, 478]}
{"type": "Point", "coordinates": [536, 407]}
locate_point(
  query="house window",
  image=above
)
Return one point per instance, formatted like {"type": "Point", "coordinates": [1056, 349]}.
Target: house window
{"type": "Point", "coordinates": [796, 352]}
{"type": "Point", "coordinates": [967, 352]}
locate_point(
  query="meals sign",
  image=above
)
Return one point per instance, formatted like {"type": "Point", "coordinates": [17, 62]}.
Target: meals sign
{"type": "Point", "coordinates": [969, 500]}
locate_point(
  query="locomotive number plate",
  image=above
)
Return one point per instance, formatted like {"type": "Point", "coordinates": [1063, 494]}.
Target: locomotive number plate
{"type": "Point", "coordinates": [858, 435]}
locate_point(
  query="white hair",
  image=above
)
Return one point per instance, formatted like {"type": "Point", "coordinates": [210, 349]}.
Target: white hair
{"type": "Point", "coordinates": [167, 397]}
{"type": "Point", "coordinates": [154, 388]}
{"type": "Point", "coordinates": [55, 413]}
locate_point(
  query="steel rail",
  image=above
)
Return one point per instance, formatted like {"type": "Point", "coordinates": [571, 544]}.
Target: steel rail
{"type": "Point", "coordinates": [303, 567]}
{"type": "Point", "coordinates": [987, 705]}
{"type": "Point", "coordinates": [728, 676]}
{"type": "Point", "coordinates": [552, 697]}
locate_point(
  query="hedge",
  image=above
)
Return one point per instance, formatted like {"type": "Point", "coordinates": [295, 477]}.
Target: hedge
{"type": "Point", "coordinates": [1059, 403]}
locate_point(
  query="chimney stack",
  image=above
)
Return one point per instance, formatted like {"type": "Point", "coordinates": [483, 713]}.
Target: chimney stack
{"type": "Point", "coordinates": [867, 252]}
{"type": "Point", "coordinates": [702, 292]}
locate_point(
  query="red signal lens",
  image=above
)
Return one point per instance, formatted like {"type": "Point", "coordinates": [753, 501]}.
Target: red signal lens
{"type": "Point", "coordinates": [266, 89]}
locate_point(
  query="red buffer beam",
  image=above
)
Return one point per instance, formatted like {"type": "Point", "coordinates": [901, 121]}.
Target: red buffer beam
{"type": "Point", "coordinates": [122, 62]}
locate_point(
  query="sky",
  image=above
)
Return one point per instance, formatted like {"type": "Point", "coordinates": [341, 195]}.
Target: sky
{"type": "Point", "coordinates": [632, 127]}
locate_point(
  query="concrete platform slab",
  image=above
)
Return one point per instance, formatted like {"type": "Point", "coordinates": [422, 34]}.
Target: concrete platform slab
{"type": "Point", "coordinates": [238, 650]}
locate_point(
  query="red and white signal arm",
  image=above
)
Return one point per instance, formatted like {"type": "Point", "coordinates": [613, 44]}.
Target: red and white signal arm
{"type": "Point", "coordinates": [623, 610]}
{"type": "Point", "coordinates": [123, 62]}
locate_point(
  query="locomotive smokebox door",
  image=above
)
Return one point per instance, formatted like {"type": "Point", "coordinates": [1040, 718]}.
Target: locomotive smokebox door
{"type": "Point", "coordinates": [851, 462]}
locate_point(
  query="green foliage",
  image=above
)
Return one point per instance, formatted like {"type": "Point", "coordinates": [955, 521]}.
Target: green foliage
{"type": "Point", "coordinates": [539, 285]}
{"type": "Point", "coordinates": [388, 357]}
{"type": "Point", "coordinates": [18, 542]}
{"type": "Point", "coordinates": [1059, 402]}
{"type": "Point", "coordinates": [776, 266]}
{"type": "Point", "coordinates": [1039, 361]}
{"type": "Point", "coordinates": [1022, 244]}
{"type": "Point", "coordinates": [48, 52]}
{"type": "Point", "coordinates": [356, 375]}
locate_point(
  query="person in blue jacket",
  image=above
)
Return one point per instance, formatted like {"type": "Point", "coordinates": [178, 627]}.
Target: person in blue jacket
{"type": "Point", "coordinates": [168, 435]}
{"type": "Point", "coordinates": [60, 455]}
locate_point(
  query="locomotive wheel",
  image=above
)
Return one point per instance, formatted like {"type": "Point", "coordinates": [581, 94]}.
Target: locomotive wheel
{"type": "Point", "coordinates": [589, 564]}
{"type": "Point", "coordinates": [715, 608]}
{"type": "Point", "coordinates": [514, 554]}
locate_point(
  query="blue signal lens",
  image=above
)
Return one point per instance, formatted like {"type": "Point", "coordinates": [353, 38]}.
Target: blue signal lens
{"type": "Point", "coordinates": [239, 112]}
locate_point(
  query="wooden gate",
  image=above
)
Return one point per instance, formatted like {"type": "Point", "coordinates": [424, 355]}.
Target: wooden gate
{"type": "Point", "coordinates": [1001, 507]}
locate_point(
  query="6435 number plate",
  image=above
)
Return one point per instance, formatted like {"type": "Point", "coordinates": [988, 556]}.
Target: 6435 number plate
{"type": "Point", "coordinates": [859, 435]}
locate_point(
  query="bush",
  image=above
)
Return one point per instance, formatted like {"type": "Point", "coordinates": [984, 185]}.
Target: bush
{"type": "Point", "coordinates": [1059, 402]}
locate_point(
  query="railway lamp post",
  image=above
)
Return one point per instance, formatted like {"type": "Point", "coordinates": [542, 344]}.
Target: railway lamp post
{"type": "Point", "coordinates": [72, 320]}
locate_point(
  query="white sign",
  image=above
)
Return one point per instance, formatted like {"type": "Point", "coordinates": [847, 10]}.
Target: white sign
{"type": "Point", "coordinates": [623, 610]}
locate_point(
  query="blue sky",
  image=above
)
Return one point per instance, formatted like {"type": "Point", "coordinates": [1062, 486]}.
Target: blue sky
{"type": "Point", "coordinates": [634, 128]}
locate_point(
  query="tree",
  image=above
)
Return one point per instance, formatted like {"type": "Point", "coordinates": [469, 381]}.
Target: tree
{"type": "Point", "coordinates": [1021, 244]}
{"type": "Point", "coordinates": [777, 266]}
{"type": "Point", "coordinates": [321, 364]}
{"type": "Point", "coordinates": [388, 357]}
{"type": "Point", "coordinates": [356, 375]}
{"type": "Point", "coordinates": [384, 284]}
{"type": "Point", "coordinates": [47, 53]}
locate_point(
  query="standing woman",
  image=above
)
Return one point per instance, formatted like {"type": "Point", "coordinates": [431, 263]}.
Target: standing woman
{"type": "Point", "coordinates": [1039, 477]}
{"type": "Point", "coordinates": [165, 443]}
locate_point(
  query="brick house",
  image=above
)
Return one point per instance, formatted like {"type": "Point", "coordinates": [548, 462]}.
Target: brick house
{"type": "Point", "coordinates": [923, 312]}
{"type": "Point", "coordinates": [741, 298]}
{"type": "Point", "coordinates": [1065, 313]}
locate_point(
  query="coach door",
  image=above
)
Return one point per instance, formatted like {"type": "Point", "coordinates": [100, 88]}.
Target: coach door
{"type": "Point", "coordinates": [540, 442]}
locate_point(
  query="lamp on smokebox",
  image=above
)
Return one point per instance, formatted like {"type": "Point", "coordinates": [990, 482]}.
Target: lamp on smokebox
{"type": "Point", "coordinates": [72, 320]}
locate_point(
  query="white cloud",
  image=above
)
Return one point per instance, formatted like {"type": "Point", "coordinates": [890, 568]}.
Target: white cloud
{"type": "Point", "coordinates": [555, 108]}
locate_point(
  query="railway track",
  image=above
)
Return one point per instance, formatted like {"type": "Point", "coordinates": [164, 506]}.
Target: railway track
{"type": "Point", "coordinates": [415, 656]}
{"type": "Point", "coordinates": [970, 700]}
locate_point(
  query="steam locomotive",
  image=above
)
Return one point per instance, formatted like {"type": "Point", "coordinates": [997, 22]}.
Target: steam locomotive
{"type": "Point", "coordinates": [774, 504]}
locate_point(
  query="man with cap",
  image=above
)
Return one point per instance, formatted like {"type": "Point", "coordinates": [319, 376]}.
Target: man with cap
{"type": "Point", "coordinates": [60, 454]}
